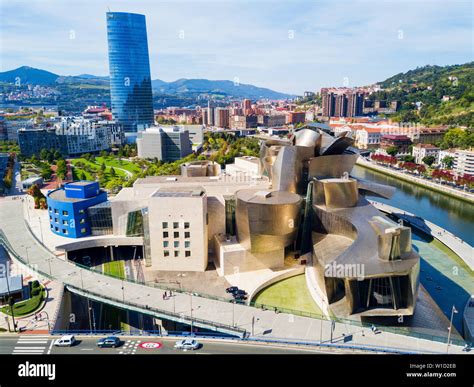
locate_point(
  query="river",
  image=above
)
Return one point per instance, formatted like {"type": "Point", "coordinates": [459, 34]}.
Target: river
{"type": "Point", "coordinates": [448, 212]}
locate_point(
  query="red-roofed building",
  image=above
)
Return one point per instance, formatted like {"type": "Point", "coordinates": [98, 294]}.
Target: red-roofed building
{"type": "Point", "coordinates": [401, 142]}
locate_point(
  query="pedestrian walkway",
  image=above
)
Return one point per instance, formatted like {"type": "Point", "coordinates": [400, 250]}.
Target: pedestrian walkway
{"type": "Point", "coordinates": [31, 345]}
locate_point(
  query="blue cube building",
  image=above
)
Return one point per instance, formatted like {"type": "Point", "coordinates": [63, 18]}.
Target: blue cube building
{"type": "Point", "coordinates": [68, 206]}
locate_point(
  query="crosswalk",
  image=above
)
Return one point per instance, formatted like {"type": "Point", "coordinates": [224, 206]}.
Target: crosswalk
{"type": "Point", "coordinates": [31, 345]}
{"type": "Point", "coordinates": [129, 347]}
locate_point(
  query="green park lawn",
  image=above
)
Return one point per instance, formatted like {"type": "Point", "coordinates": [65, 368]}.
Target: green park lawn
{"type": "Point", "coordinates": [96, 167]}
{"type": "Point", "coordinates": [290, 293]}
{"type": "Point", "coordinates": [116, 163]}
{"type": "Point", "coordinates": [23, 308]}
{"type": "Point", "coordinates": [114, 269]}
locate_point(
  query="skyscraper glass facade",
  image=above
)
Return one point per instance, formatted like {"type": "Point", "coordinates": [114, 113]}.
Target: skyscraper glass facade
{"type": "Point", "coordinates": [129, 65]}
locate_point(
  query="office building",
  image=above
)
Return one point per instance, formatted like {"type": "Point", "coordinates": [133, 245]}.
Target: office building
{"type": "Point", "coordinates": [72, 136]}
{"type": "Point", "coordinates": [164, 143]}
{"type": "Point", "coordinates": [129, 65]}
{"type": "Point", "coordinates": [67, 208]}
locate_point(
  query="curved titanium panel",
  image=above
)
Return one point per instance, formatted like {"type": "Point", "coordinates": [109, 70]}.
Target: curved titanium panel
{"type": "Point", "coordinates": [336, 193]}
{"type": "Point", "coordinates": [307, 137]}
{"type": "Point", "coordinates": [331, 166]}
{"type": "Point", "coordinates": [338, 146]}
{"type": "Point", "coordinates": [266, 221]}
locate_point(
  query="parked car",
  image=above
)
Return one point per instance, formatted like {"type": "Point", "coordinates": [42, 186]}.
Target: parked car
{"type": "Point", "coordinates": [187, 344]}
{"type": "Point", "coordinates": [109, 342]}
{"type": "Point", "coordinates": [232, 289]}
{"type": "Point", "coordinates": [65, 341]}
{"type": "Point", "coordinates": [240, 291]}
{"type": "Point", "coordinates": [240, 296]}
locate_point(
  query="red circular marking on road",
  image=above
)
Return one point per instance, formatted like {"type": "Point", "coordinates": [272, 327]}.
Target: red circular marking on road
{"type": "Point", "coordinates": [150, 345]}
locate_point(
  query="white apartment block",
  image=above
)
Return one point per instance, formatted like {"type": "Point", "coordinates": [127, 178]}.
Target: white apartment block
{"type": "Point", "coordinates": [366, 138]}
{"type": "Point", "coordinates": [464, 162]}
{"type": "Point", "coordinates": [420, 151]}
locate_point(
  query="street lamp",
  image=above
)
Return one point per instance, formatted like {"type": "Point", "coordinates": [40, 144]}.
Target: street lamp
{"type": "Point", "coordinates": [11, 302]}
{"type": "Point", "coordinates": [453, 310]}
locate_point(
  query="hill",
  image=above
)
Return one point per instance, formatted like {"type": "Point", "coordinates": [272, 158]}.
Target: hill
{"type": "Point", "coordinates": [188, 88]}
{"type": "Point", "coordinates": [29, 75]}
{"type": "Point", "coordinates": [433, 94]}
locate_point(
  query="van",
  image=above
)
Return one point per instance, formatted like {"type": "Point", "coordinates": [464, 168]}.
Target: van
{"type": "Point", "coordinates": [65, 341]}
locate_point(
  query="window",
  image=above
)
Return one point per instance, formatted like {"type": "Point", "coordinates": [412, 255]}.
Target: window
{"type": "Point", "coordinates": [175, 225]}
{"type": "Point", "coordinates": [166, 253]}
{"type": "Point", "coordinates": [176, 234]}
{"type": "Point", "coordinates": [56, 211]}
{"type": "Point", "coordinates": [50, 209]}
{"type": "Point", "coordinates": [165, 234]}
{"type": "Point", "coordinates": [64, 231]}
{"type": "Point", "coordinates": [64, 222]}
{"type": "Point", "coordinates": [186, 224]}
{"type": "Point", "coordinates": [83, 230]}
{"type": "Point", "coordinates": [52, 227]}
{"type": "Point", "coordinates": [56, 220]}
{"type": "Point", "coordinates": [165, 224]}
{"type": "Point", "coordinates": [187, 253]}
{"type": "Point", "coordinates": [176, 253]}
{"type": "Point", "coordinates": [165, 243]}
{"type": "Point", "coordinates": [65, 213]}
{"type": "Point", "coordinates": [82, 221]}
{"type": "Point", "coordinates": [81, 211]}
{"type": "Point", "coordinates": [187, 234]}
{"type": "Point", "coordinates": [176, 244]}
{"type": "Point", "coordinates": [50, 217]}
{"type": "Point", "coordinates": [187, 244]}
{"type": "Point", "coordinates": [56, 229]}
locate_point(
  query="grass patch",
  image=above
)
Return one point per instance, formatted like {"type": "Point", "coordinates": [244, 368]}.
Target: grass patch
{"type": "Point", "coordinates": [23, 308]}
{"type": "Point", "coordinates": [114, 162]}
{"type": "Point", "coordinates": [114, 269]}
{"type": "Point", "coordinates": [290, 293]}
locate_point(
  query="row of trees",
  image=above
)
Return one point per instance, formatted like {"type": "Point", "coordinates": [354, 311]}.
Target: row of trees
{"type": "Point", "coordinates": [8, 178]}
{"type": "Point", "coordinates": [440, 174]}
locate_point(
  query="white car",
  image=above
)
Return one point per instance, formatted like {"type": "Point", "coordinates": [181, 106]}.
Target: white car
{"type": "Point", "coordinates": [65, 341]}
{"type": "Point", "coordinates": [187, 344]}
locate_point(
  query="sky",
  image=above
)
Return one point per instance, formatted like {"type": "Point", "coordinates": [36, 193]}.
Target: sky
{"type": "Point", "coordinates": [289, 46]}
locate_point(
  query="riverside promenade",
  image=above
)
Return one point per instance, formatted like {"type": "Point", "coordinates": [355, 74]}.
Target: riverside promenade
{"type": "Point", "coordinates": [463, 249]}
{"type": "Point", "coordinates": [259, 324]}
{"type": "Point", "coordinates": [445, 189]}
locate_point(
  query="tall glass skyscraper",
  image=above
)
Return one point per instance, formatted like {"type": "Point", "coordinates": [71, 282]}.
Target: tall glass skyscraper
{"type": "Point", "coordinates": [129, 65]}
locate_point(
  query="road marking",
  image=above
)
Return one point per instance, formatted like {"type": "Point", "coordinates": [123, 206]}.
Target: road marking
{"type": "Point", "coordinates": [87, 349]}
{"type": "Point", "coordinates": [22, 347]}
{"type": "Point", "coordinates": [50, 346]}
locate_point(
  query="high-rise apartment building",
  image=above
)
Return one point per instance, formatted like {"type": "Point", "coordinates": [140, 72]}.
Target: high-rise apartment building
{"type": "Point", "coordinates": [129, 65]}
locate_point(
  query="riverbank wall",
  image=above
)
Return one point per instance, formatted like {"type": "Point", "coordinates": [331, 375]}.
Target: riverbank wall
{"type": "Point", "coordinates": [465, 196]}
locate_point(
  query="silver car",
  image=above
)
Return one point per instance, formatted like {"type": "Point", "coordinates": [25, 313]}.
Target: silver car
{"type": "Point", "coordinates": [187, 344]}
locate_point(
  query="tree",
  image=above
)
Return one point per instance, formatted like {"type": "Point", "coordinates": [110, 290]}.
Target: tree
{"type": "Point", "coordinates": [428, 160]}
{"type": "Point", "coordinates": [46, 172]}
{"type": "Point", "coordinates": [392, 151]}
{"type": "Point", "coordinates": [112, 172]}
{"type": "Point", "coordinates": [448, 162]}
{"type": "Point", "coordinates": [103, 167]}
{"type": "Point", "coordinates": [409, 159]}
{"type": "Point", "coordinates": [61, 169]}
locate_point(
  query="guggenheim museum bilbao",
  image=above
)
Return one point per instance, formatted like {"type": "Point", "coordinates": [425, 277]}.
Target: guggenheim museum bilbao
{"type": "Point", "coordinates": [296, 207]}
